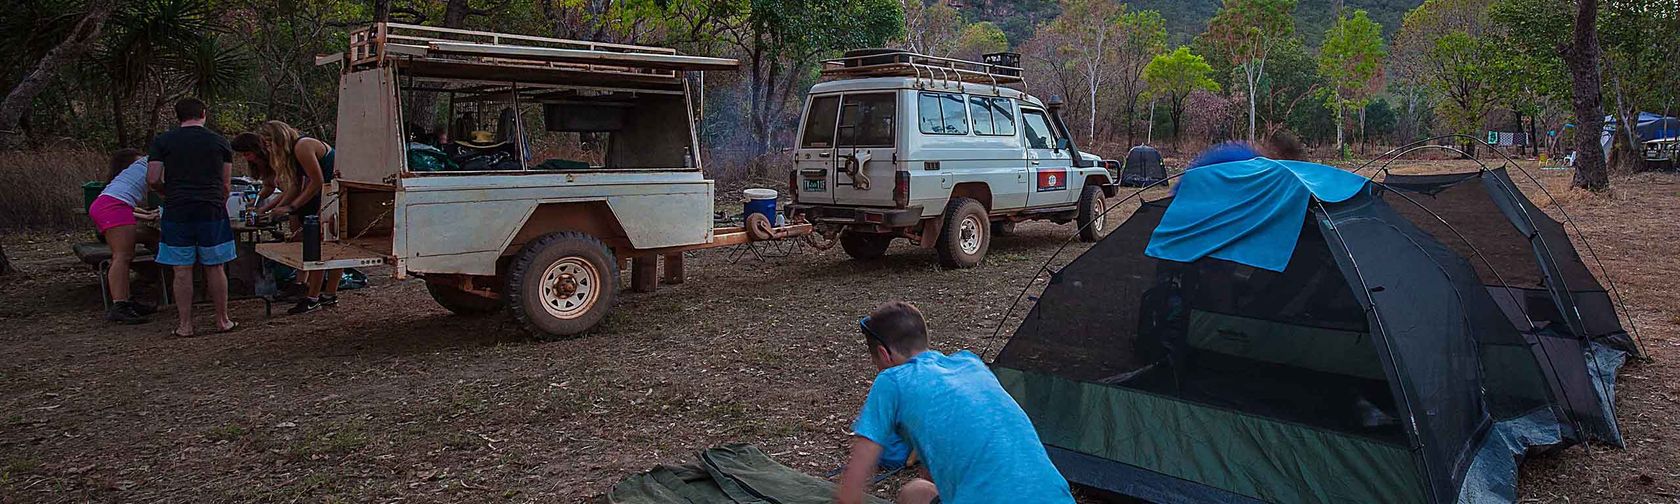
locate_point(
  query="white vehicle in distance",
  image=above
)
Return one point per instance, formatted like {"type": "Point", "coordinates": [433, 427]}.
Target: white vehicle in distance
{"type": "Point", "coordinates": [938, 151]}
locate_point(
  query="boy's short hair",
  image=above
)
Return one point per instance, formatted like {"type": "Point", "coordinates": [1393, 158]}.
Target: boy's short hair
{"type": "Point", "coordinates": [1285, 145]}
{"type": "Point", "coordinates": [898, 325]}
{"type": "Point", "coordinates": [189, 108]}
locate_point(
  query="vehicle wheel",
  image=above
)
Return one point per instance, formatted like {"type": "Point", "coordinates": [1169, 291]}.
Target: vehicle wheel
{"type": "Point", "coordinates": [562, 284]}
{"type": "Point", "coordinates": [1003, 228]}
{"type": "Point", "coordinates": [462, 302]}
{"type": "Point", "coordinates": [865, 246]}
{"type": "Point", "coordinates": [1093, 223]}
{"type": "Point", "coordinates": [965, 235]}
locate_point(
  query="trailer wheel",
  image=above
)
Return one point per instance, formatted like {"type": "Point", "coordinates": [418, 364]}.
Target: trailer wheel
{"type": "Point", "coordinates": [462, 302]}
{"type": "Point", "coordinates": [965, 235]}
{"type": "Point", "coordinates": [865, 246]}
{"type": "Point", "coordinates": [562, 284]}
{"type": "Point", "coordinates": [1092, 222]}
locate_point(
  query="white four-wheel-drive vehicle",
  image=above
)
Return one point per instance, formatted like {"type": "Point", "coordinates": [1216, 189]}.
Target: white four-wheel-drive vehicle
{"type": "Point", "coordinates": [516, 171]}
{"type": "Point", "coordinates": [938, 151]}
{"type": "Point", "coordinates": [1663, 152]}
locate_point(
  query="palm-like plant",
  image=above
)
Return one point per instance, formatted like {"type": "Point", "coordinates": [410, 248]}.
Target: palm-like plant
{"type": "Point", "coordinates": [166, 49]}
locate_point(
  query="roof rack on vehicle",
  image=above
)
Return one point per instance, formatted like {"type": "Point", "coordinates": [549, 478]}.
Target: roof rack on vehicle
{"type": "Point", "coordinates": [386, 43]}
{"type": "Point", "coordinates": [995, 69]}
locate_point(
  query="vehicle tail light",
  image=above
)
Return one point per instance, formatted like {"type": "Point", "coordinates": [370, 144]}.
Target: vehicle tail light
{"type": "Point", "coordinates": [901, 189]}
{"type": "Point", "coordinates": [793, 185]}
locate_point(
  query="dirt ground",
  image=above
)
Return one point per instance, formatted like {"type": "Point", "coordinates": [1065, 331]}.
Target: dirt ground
{"type": "Point", "coordinates": [388, 397]}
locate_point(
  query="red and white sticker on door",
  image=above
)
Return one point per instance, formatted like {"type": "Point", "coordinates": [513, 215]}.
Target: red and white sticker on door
{"type": "Point", "coordinates": [1054, 179]}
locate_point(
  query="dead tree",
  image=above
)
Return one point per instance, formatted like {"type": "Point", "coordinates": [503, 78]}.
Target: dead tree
{"type": "Point", "coordinates": [77, 43]}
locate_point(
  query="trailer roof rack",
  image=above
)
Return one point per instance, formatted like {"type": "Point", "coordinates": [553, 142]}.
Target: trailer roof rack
{"type": "Point", "coordinates": [995, 69]}
{"type": "Point", "coordinates": [453, 53]}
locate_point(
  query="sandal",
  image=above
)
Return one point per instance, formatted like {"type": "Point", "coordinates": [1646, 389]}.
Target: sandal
{"type": "Point", "coordinates": [231, 326]}
{"type": "Point", "coordinates": [177, 333]}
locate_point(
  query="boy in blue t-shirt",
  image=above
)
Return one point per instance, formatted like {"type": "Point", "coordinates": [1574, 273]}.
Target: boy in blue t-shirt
{"type": "Point", "coordinates": [975, 443]}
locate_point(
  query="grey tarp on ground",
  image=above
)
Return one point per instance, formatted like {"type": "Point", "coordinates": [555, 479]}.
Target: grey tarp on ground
{"type": "Point", "coordinates": [1492, 477]}
{"type": "Point", "coordinates": [729, 474]}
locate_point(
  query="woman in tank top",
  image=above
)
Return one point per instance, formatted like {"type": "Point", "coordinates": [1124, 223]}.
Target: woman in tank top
{"type": "Point", "coordinates": [303, 166]}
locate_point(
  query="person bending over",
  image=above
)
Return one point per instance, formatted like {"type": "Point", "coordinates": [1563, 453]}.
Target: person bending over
{"type": "Point", "coordinates": [116, 213]}
{"type": "Point", "coordinates": [975, 443]}
{"type": "Point", "coordinates": [303, 166]}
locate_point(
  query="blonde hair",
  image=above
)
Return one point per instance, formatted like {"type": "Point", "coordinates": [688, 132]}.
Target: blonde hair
{"type": "Point", "coordinates": [282, 141]}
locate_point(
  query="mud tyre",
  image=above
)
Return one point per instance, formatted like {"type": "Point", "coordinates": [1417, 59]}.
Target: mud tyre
{"type": "Point", "coordinates": [1093, 224]}
{"type": "Point", "coordinates": [461, 302]}
{"type": "Point", "coordinates": [965, 234]}
{"type": "Point", "coordinates": [865, 246]}
{"type": "Point", "coordinates": [562, 284]}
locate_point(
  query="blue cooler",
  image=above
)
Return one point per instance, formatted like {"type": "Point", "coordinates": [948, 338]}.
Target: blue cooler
{"type": "Point", "coordinates": [760, 201]}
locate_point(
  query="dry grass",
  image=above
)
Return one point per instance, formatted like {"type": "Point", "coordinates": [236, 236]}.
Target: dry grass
{"type": "Point", "coordinates": [42, 189]}
{"type": "Point", "coordinates": [387, 397]}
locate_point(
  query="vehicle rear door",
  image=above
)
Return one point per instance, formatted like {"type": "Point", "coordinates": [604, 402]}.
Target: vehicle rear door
{"type": "Point", "coordinates": [864, 163]}
{"type": "Point", "coordinates": [814, 158]}
{"type": "Point", "coordinates": [1048, 160]}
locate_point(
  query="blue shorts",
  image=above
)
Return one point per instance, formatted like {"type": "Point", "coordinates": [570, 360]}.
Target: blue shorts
{"type": "Point", "coordinates": [185, 243]}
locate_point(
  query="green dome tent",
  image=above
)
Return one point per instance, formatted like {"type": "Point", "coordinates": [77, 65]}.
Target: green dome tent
{"type": "Point", "coordinates": [1376, 366]}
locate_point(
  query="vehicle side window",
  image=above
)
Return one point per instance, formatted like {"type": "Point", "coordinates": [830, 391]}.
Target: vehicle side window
{"type": "Point", "coordinates": [866, 120]}
{"type": "Point", "coordinates": [992, 116]}
{"type": "Point", "coordinates": [1039, 133]}
{"type": "Point", "coordinates": [942, 114]}
{"type": "Point", "coordinates": [819, 122]}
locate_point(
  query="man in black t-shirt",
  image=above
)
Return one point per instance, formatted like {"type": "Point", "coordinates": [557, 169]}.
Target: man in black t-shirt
{"type": "Point", "coordinates": [193, 168]}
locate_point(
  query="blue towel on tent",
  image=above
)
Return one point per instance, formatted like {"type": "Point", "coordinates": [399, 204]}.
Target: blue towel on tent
{"type": "Point", "coordinates": [1248, 212]}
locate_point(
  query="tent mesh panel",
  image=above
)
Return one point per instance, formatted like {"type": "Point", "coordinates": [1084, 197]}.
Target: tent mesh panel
{"type": "Point", "coordinates": [1293, 346]}
{"type": "Point", "coordinates": [1492, 218]}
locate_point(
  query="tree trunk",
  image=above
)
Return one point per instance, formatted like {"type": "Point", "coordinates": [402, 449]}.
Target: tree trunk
{"type": "Point", "coordinates": [1149, 138]}
{"type": "Point", "coordinates": [1249, 73]}
{"type": "Point", "coordinates": [455, 13]}
{"type": "Point", "coordinates": [1627, 156]}
{"type": "Point", "coordinates": [1364, 141]}
{"type": "Point", "coordinates": [5, 264]}
{"type": "Point", "coordinates": [1131, 121]}
{"type": "Point", "coordinates": [18, 100]}
{"type": "Point", "coordinates": [1339, 122]}
{"type": "Point", "coordinates": [1582, 56]}
{"type": "Point", "coordinates": [1177, 113]}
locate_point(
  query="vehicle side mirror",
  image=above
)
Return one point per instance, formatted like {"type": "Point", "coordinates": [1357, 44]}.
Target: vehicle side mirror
{"type": "Point", "coordinates": [1063, 143]}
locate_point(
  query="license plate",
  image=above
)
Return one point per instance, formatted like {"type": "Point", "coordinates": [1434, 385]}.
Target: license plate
{"type": "Point", "coordinates": [816, 185]}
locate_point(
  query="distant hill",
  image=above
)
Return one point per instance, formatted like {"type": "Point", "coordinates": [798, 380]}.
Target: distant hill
{"type": "Point", "coordinates": [1185, 18]}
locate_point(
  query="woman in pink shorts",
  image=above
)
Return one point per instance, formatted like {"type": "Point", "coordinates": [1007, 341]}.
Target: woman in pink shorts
{"type": "Point", "coordinates": [114, 213]}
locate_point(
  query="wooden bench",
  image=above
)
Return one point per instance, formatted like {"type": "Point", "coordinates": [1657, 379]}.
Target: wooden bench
{"type": "Point", "coordinates": [98, 255]}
